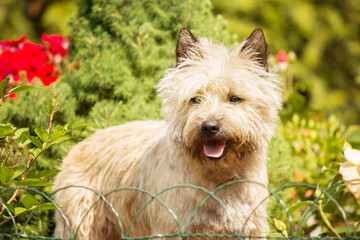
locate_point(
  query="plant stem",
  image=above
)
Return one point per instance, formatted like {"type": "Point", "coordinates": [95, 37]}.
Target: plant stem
{"type": "Point", "coordinates": [3, 154]}
{"type": "Point", "coordinates": [53, 100]}
{"type": "Point", "coordinates": [17, 191]}
{"type": "Point", "coordinates": [21, 161]}
{"type": "Point", "coordinates": [11, 149]}
{"type": "Point", "coordinates": [15, 156]}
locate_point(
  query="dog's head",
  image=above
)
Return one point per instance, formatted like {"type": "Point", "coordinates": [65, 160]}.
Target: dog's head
{"type": "Point", "coordinates": [220, 103]}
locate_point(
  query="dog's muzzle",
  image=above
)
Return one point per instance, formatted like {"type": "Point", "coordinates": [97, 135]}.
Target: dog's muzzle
{"type": "Point", "coordinates": [213, 148]}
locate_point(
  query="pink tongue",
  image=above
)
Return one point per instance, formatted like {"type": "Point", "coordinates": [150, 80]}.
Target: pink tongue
{"type": "Point", "coordinates": [214, 149]}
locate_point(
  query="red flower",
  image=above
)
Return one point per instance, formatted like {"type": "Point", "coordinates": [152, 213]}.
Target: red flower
{"type": "Point", "coordinates": [47, 74]}
{"type": "Point", "coordinates": [10, 64]}
{"type": "Point", "coordinates": [32, 66]}
{"type": "Point", "coordinates": [17, 55]}
{"type": "Point", "coordinates": [12, 96]}
{"type": "Point", "coordinates": [14, 44]}
{"type": "Point", "coordinates": [35, 50]}
{"type": "Point", "coordinates": [283, 60]}
{"type": "Point", "coordinates": [58, 46]}
{"type": "Point", "coordinates": [282, 57]}
{"type": "Point", "coordinates": [33, 59]}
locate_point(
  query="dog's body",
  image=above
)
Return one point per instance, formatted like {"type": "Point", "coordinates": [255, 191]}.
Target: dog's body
{"type": "Point", "coordinates": [220, 108]}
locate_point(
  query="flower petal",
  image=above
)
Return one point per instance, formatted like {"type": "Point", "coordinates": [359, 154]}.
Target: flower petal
{"type": "Point", "coordinates": [351, 176]}
{"type": "Point", "coordinates": [282, 57]}
{"type": "Point", "coordinates": [352, 155]}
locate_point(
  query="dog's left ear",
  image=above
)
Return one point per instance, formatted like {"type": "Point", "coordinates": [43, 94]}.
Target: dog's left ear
{"type": "Point", "coordinates": [185, 42]}
{"type": "Point", "coordinates": [256, 42]}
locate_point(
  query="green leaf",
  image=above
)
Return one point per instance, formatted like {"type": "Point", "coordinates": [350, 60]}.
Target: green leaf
{"type": "Point", "coordinates": [42, 134]}
{"type": "Point", "coordinates": [12, 181]}
{"type": "Point", "coordinates": [36, 153]}
{"type": "Point", "coordinates": [46, 206]}
{"type": "Point", "coordinates": [22, 89]}
{"type": "Point", "coordinates": [69, 125]}
{"type": "Point", "coordinates": [19, 210]}
{"type": "Point", "coordinates": [60, 128]}
{"type": "Point", "coordinates": [299, 205]}
{"type": "Point", "coordinates": [308, 212]}
{"type": "Point", "coordinates": [3, 84]}
{"type": "Point", "coordinates": [31, 174]}
{"type": "Point", "coordinates": [50, 108]}
{"type": "Point", "coordinates": [27, 141]}
{"type": "Point", "coordinates": [22, 134]}
{"type": "Point", "coordinates": [20, 131]}
{"type": "Point", "coordinates": [29, 201]}
{"type": "Point", "coordinates": [84, 125]}
{"type": "Point", "coordinates": [6, 174]}
{"type": "Point", "coordinates": [32, 208]}
{"type": "Point", "coordinates": [36, 142]}
{"type": "Point", "coordinates": [6, 130]}
{"type": "Point", "coordinates": [16, 174]}
{"type": "Point", "coordinates": [336, 179]}
{"type": "Point", "coordinates": [326, 220]}
{"type": "Point", "coordinates": [62, 138]}
{"type": "Point", "coordinates": [56, 135]}
{"type": "Point", "coordinates": [33, 182]}
{"type": "Point", "coordinates": [11, 208]}
{"type": "Point", "coordinates": [276, 234]}
{"type": "Point", "coordinates": [48, 173]}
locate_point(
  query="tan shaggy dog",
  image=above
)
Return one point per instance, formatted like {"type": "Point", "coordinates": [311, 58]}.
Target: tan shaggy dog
{"type": "Point", "coordinates": [220, 108]}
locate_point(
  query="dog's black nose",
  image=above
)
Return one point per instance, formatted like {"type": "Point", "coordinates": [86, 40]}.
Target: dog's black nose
{"type": "Point", "coordinates": [210, 128]}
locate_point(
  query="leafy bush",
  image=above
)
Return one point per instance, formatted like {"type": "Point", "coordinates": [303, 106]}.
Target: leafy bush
{"type": "Point", "coordinates": [20, 149]}
{"type": "Point", "coordinates": [315, 156]}
{"type": "Point", "coordinates": [122, 48]}
{"type": "Point", "coordinates": [309, 151]}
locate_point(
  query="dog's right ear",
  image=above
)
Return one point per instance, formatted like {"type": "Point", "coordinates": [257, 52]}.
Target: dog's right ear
{"type": "Point", "coordinates": [256, 42]}
{"type": "Point", "coordinates": [185, 42]}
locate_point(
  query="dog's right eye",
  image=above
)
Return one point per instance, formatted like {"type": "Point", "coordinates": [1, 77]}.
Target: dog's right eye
{"type": "Point", "coordinates": [235, 99]}
{"type": "Point", "coordinates": [195, 100]}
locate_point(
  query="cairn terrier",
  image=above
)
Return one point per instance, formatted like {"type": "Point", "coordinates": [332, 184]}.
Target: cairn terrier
{"type": "Point", "coordinates": [220, 108]}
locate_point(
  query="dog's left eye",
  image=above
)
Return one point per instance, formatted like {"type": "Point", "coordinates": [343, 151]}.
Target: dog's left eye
{"type": "Point", "coordinates": [235, 99]}
{"type": "Point", "coordinates": [195, 100]}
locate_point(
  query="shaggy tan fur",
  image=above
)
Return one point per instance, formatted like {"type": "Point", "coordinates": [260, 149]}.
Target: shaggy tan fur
{"type": "Point", "coordinates": [220, 107]}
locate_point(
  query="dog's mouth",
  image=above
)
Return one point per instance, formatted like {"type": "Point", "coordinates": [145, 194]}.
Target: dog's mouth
{"type": "Point", "coordinates": [215, 149]}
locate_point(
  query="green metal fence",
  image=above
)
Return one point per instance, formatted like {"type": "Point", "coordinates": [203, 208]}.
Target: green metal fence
{"type": "Point", "coordinates": [183, 233]}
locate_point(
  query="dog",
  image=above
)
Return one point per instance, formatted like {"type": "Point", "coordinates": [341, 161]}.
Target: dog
{"type": "Point", "coordinates": [220, 108]}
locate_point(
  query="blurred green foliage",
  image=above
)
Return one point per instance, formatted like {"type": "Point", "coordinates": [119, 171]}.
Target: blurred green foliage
{"type": "Point", "coordinates": [325, 35]}
{"type": "Point", "coordinates": [121, 54]}
{"type": "Point", "coordinates": [20, 151]}
{"type": "Point", "coordinates": [316, 149]}
{"type": "Point", "coordinates": [34, 17]}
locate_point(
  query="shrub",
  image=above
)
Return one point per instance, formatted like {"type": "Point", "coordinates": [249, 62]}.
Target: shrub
{"type": "Point", "coordinates": [19, 152]}
{"type": "Point", "coordinates": [122, 48]}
